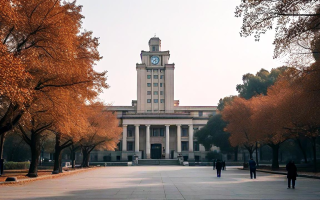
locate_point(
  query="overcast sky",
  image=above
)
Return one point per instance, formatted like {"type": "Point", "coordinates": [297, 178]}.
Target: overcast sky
{"type": "Point", "coordinates": [202, 36]}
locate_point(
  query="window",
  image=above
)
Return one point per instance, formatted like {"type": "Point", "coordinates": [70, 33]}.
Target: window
{"type": "Point", "coordinates": [156, 132]}
{"type": "Point", "coordinates": [195, 146]}
{"type": "Point", "coordinates": [161, 100]}
{"type": "Point", "coordinates": [130, 133]}
{"type": "Point", "coordinates": [155, 92]}
{"type": "Point", "coordinates": [149, 84]}
{"type": "Point", "coordinates": [161, 92]}
{"type": "Point", "coordinates": [148, 76]}
{"type": "Point", "coordinates": [148, 100]}
{"type": "Point", "coordinates": [161, 132]}
{"type": "Point", "coordinates": [155, 101]}
{"type": "Point", "coordinates": [184, 132]}
{"type": "Point", "coordinates": [153, 48]}
{"type": "Point", "coordinates": [155, 70]}
{"type": "Point", "coordinates": [155, 76]}
{"type": "Point", "coordinates": [200, 113]}
{"type": "Point", "coordinates": [161, 70]}
{"type": "Point", "coordinates": [161, 76]}
{"type": "Point", "coordinates": [148, 110]}
{"type": "Point", "coordinates": [160, 84]}
{"type": "Point", "coordinates": [155, 84]}
{"type": "Point", "coordinates": [148, 92]}
{"type": "Point", "coordinates": [148, 70]}
{"type": "Point", "coordinates": [184, 146]}
{"type": "Point", "coordinates": [129, 146]}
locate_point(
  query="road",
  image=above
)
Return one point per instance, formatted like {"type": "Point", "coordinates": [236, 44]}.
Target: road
{"type": "Point", "coordinates": [163, 182]}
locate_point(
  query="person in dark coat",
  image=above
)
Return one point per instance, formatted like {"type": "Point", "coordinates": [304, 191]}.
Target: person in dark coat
{"type": "Point", "coordinates": [214, 164]}
{"type": "Point", "coordinates": [219, 167]}
{"type": "Point", "coordinates": [253, 168]}
{"type": "Point", "coordinates": [292, 174]}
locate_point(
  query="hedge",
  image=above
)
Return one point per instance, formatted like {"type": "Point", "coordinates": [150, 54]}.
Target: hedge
{"type": "Point", "coordinates": [16, 165]}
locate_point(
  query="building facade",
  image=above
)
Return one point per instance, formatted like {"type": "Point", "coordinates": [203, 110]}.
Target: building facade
{"type": "Point", "coordinates": [155, 126]}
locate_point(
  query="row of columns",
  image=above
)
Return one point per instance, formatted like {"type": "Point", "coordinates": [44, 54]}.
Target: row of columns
{"type": "Point", "coordinates": [148, 145]}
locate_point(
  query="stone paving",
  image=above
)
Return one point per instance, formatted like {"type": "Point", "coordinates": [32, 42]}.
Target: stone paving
{"type": "Point", "coordinates": [164, 182]}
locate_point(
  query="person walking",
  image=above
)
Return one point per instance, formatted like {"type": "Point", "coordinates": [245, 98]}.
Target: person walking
{"type": "Point", "coordinates": [292, 174]}
{"type": "Point", "coordinates": [218, 167]}
{"type": "Point", "coordinates": [253, 168]}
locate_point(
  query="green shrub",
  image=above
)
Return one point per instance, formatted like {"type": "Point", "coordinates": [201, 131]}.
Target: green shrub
{"type": "Point", "coordinates": [213, 155]}
{"type": "Point", "coordinates": [16, 165]}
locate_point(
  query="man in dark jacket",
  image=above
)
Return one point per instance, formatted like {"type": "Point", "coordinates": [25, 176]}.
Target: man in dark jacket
{"type": "Point", "coordinates": [218, 167]}
{"type": "Point", "coordinates": [253, 168]}
{"type": "Point", "coordinates": [292, 174]}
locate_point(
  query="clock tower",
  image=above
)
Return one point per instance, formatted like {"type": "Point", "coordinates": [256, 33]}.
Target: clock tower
{"type": "Point", "coordinates": [155, 80]}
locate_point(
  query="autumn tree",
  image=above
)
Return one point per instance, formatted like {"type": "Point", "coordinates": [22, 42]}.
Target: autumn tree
{"type": "Point", "coordinates": [42, 48]}
{"type": "Point", "coordinates": [295, 22]}
{"type": "Point", "coordinates": [102, 132]}
{"type": "Point", "coordinates": [46, 39]}
{"type": "Point", "coordinates": [238, 116]}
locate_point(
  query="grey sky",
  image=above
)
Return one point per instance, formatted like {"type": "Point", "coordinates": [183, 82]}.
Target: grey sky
{"type": "Point", "coordinates": [202, 36]}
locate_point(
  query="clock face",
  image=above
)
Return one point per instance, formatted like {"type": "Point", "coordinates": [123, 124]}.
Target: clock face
{"type": "Point", "coordinates": [155, 60]}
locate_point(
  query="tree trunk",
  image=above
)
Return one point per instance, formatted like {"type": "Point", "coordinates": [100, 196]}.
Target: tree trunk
{"type": "Point", "coordinates": [73, 157]}
{"type": "Point", "coordinates": [86, 157]}
{"type": "Point", "coordinates": [314, 150]}
{"type": "Point", "coordinates": [304, 153]}
{"type": "Point", "coordinates": [275, 155]}
{"type": "Point", "coordinates": [236, 153]}
{"type": "Point", "coordinates": [35, 154]}
{"type": "Point", "coordinates": [57, 152]}
{"type": "Point", "coordinates": [2, 144]}
{"type": "Point", "coordinates": [257, 160]}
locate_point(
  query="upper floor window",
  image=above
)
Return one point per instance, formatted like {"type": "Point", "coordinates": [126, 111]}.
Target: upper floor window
{"type": "Point", "coordinates": [149, 84]}
{"type": "Point", "coordinates": [155, 101]}
{"type": "Point", "coordinates": [148, 100]}
{"type": "Point", "coordinates": [148, 76]}
{"type": "Point", "coordinates": [184, 132]}
{"type": "Point", "coordinates": [155, 76]}
{"type": "Point", "coordinates": [153, 48]}
{"type": "Point", "coordinates": [161, 92]}
{"type": "Point", "coordinates": [130, 146]}
{"type": "Point", "coordinates": [155, 84]}
{"type": "Point", "coordinates": [161, 100]}
{"type": "Point", "coordinates": [200, 113]}
{"type": "Point", "coordinates": [195, 146]}
{"type": "Point", "coordinates": [155, 92]}
{"type": "Point", "coordinates": [161, 76]}
{"type": "Point", "coordinates": [148, 92]}
{"type": "Point", "coordinates": [161, 70]}
{"type": "Point", "coordinates": [155, 70]}
{"type": "Point", "coordinates": [130, 133]}
{"type": "Point", "coordinates": [161, 84]}
{"type": "Point", "coordinates": [148, 70]}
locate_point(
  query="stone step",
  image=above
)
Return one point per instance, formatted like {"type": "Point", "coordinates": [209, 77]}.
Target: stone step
{"type": "Point", "coordinates": [158, 162]}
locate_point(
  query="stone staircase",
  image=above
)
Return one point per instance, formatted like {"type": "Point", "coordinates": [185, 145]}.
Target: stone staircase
{"type": "Point", "coordinates": [158, 162]}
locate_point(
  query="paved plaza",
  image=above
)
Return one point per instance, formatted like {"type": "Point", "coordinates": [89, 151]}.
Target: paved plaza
{"type": "Point", "coordinates": [163, 182]}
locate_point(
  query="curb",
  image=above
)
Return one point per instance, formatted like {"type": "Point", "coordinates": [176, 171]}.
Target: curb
{"type": "Point", "coordinates": [27, 180]}
{"type": "Point", "coordinates": [284, 173]}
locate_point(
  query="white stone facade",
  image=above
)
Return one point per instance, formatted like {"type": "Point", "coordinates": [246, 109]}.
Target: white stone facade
{"type": "Point", "coordinates": [155, 126]}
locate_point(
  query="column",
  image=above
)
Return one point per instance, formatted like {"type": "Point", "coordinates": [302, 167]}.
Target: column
{"type": "Point", "coordinates": [148, 141]}
{"type": "Point", "coordinates": [136, 139]}
{"type": "Point", "coordinates": [190, 137]}
{"type": "Point", "coordinates": [167, 141]}
{"type": "Point", "coordinates": [178, 138]}
{"type": "Point", "coordinates": [124, 137]}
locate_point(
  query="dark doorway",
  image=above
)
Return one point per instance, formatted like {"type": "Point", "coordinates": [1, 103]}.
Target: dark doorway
{"type": "Point", "coordinates": [155, 151]}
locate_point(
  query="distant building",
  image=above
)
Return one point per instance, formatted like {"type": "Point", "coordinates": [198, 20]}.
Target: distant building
{"type": "Point", "coordinates": [155, 126]}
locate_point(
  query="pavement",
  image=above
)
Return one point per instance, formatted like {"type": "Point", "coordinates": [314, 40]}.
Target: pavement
{"type": "Point", "coordinates": [163, 182]}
